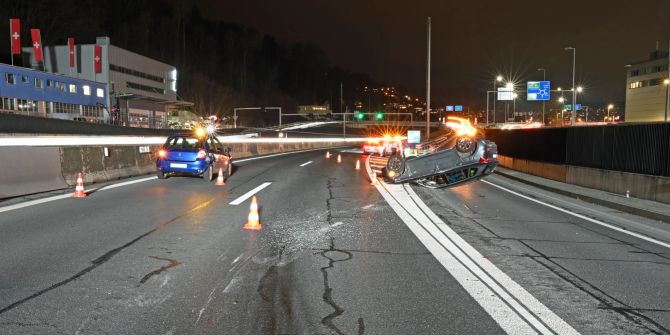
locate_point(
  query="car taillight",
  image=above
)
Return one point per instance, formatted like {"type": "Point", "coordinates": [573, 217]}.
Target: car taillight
{"type": "Point", "coordinates": [162, 153]}
{"type": "Point", "coordinates": [201, 154]}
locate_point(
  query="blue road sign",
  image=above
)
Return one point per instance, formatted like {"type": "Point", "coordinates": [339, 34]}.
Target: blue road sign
{"type": "Point", "coordinates": [459, 108]}
{"type": "Point", "coordinates": [539, 91]}
{"type": "Point", "coordinates": [450, 108]}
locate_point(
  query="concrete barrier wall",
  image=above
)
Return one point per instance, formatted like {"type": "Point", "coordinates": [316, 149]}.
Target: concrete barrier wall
{"type": "Point", "coordinates": [639, 185]}
{"type": "Point", "coordinates": [27, 170]}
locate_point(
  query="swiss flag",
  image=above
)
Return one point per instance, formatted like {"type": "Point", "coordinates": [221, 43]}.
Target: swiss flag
{"type": "Point", "coordinates": [70, 43]}
{"type": "Point", "coordinates": [37, 44]}
{"type": "Point", "coordinates": [15, 34]}
{"type": "Point", "coordinates": [97, 58]}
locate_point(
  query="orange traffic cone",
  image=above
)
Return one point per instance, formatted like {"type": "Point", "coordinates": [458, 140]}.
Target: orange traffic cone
{"type": "Point", "coordinates": [339, 159]}
{"type": "Point", "coordinates": [79, 189]}
{"type": "Point", "coordinates": [327, 154]}
{"type": "Point", "coordinates": [219, 178]}
{"type": "Point", "coordinates": [253, 222]}
{"type": "Point", "coordinates": [358, 164]}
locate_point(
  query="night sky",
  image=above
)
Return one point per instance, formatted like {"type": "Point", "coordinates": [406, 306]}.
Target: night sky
{"type": "Point", "coordinates": [472, 40]}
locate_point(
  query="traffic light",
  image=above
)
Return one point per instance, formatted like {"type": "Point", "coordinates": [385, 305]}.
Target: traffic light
{"type": "Point", "coordinates": [359, 115]}
{"type": "Point", "coordinates": [379, 116]}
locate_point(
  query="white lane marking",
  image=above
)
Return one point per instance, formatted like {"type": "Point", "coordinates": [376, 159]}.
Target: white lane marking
{"type": "Point", "coordinates": [583, 217]}
{"type": "Point", "coordinates": [305, 164]}
{"type": "Point", "coordinates": [237, 259]}
{"type": "Point", "coordinates": [511, 306]}
{"type": "Point", "coordinates": [250, 193]}
{"type": "Point", "coordinates": [125, 183]}
{"type": "Point", "coordinates": [69, 195]}
{"type": "Point", "coordinates": [34, 202]}
{"type": "Point", "coordinates": [279, 154]}
{"type": "Point", "coordinates": [338, 223]}
{"type": "Point", "coordinates": [232, 285]}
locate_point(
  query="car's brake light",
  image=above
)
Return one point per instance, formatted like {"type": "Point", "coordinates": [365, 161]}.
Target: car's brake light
{"type": "Point", "coordinates": [162, 153]}
{"type": "Point", "coordinates": [201, 154]}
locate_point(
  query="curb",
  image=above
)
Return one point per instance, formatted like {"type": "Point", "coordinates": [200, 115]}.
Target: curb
{"type": "Point", "coordinates": [614, 205]}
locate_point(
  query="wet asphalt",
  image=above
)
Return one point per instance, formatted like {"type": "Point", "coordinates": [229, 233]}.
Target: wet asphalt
{"type": "Point", "coordinates": [171, 257]}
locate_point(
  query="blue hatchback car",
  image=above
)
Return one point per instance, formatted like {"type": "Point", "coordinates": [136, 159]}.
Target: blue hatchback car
{"type": "Point", "coordinates": [199, 154]}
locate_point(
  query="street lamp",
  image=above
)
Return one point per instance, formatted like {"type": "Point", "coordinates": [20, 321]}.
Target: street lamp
{"type": "Point", "coordinates": [498, 79]}
{"type": "Point", "coordinates": [574, 96]}
{"type": "Point", "coordinates": [609, 108]}
{"type": "Point", "coordinates": [562, 100]}
{"type": "Point", "coordinates": [544, 78]}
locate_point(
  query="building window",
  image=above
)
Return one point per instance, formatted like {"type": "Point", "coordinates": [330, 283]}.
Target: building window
{"type": "Point", "coordinates": [24, 79]}
{"type": "Point", "coordinates": [86, 89]}
{"type": "Point", "coordinates": [136, 73]}
{"type": "Point", "coordinates": [9, 78]}
{"type": "Point", "coordinates": [136, 86]}
{"type": "Point", "coordinates": [73, 88]}
{"type": "Point", "coordinates": [38, 83]}
{"type": "Point", "coordinates": [99, 92]}
{"type": "Point", "coordinates": [28, 106]}
{"type": "Point", "coordinates": [49, 83]}
{"type": "Point", "coordinates": [635, 84]}
{"type": "Point", "coordinates": [8, 104]}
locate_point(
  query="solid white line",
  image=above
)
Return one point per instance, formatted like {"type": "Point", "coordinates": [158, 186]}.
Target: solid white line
{"type": "Point", "coordinates": [250, 194]}
{"type": "Point", "coordinates": [583, 217]}
{"type": "Point", "coordinates": [305, 164]}
{"type": "Point", "coordinates": [69, 195]}
{"type": "Point", "coordinates": [275, 155]}
{"type": "Point", "coordinates": [125, 183]}
{"type": "Point", "coordinates": [34, 202]}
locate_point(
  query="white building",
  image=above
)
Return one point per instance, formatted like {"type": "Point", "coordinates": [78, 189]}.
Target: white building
{"type": "Point", "coordinates": [646, 89]}
{"type": "Point", "coordinates": [140, 89]}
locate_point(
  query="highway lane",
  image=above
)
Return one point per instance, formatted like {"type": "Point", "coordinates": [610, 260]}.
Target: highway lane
{"type": "Point", "coordinates": [597, 279]}
{"type": "Point", "coordinates": [170, 257]}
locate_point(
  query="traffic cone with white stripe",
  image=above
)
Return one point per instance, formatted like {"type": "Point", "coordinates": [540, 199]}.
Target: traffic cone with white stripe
{"type": "Point", "coordinates": [339, 159]}
{"type": "Point", "coordinates": [253, 221]}
{"type": "Point", "coordinates": [79, 189]}
{"type": "Point", "coordinates": [327, 154]}
{"type": "Point", "coordinates": [219, 178]}
{"type": "Point", "coordinates": [358, 164]}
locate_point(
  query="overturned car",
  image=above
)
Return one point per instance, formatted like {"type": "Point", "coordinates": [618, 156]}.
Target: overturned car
{"type": "Point", "coordinates": [455, 158]}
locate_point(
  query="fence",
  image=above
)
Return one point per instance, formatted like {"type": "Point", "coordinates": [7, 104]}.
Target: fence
{"type": "Point", "coordinates": [635, 148]}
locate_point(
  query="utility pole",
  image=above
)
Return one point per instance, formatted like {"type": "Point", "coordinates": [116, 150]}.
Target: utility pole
{"type": "Point", "coordinates": [428, 86]}
{"type": "Point", "coordinates": [573, 119]}
{"type": "Point", "coordinates": [544, 78]}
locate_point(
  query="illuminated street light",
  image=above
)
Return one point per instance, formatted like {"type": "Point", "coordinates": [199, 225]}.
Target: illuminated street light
{"type": "Point", "coordinates": [559, 89]}
{"type": "Point", "coordinates": [499, 78]}
{"type": "Point", "coordinates": [509, 85]}
{"type": "Point", "coordinates": [561, 100]}
{"type": "Point", "coordinates": [609, 107]}
{"type": "Point", "coordinates": [580, 89]}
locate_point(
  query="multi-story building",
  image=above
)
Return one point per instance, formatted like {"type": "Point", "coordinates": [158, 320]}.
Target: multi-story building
{"type": "Point", "coordinates": [140, 90]}
{"type": "Point", "coordinates": [37, 93]}
{"type": "Point", "coordinates": [647, 89]}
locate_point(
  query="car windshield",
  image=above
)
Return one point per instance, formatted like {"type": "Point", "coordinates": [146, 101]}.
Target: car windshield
{"type": "Point", "coordinates": [183, 142]}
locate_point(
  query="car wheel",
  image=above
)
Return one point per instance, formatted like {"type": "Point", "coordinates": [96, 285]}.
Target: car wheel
{"type": "Point", "coordinates": [465, 146]}
{"type": "Point", "coordinates": [395, 166]}
{"type": "Point", "coordinates": [208, 175]}
{"type": "Point", "coordinates": [229, 171]}
{"type": "Point", "coordinates": [161, 174]}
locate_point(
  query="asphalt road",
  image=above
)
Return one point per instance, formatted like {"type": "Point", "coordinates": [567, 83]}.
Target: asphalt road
{"type": "Point", "coordinates": [333, 257]}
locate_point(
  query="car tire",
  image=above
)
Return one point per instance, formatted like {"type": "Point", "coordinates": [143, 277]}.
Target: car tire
{"type": "Point", "coordinates": [208, 175]}
{"type": "Point", "coordinates": [395, 164]}
{"type": "Point", "coordinates": [465, 146]}
{"type": "Point", "coordinates": [161, 174]}
{"type": "Point", "coordinates": [229, 171]}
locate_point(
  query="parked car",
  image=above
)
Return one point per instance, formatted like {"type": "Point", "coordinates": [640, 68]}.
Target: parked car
{"type": "Point", "coordinates": [199, 154]}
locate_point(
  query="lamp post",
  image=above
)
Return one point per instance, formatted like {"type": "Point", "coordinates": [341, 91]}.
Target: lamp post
{"type": "Point", "coordinates": [498, 79]}
{"type": "Point", "coordinates": [544, 78]}
{"type": "Point", "coordinates": [609, 108]}
{"type": "Point", "coordinates": [667, 92]}
{"type": "Point", "coordinates": [562, 100]}
{"type": "Point", "coordinates": [574, 96]}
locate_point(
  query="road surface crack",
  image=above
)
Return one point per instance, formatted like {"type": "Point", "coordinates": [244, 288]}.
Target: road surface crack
{"type": "Point", "coordinates": [171, 263]}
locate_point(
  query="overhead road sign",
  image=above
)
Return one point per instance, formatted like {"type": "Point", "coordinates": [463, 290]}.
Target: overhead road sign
{"type": "Point", "coordinates": [505, 94]}
{"type": "Point", "coordinates": [458, 108]}
{"type": "Point", "coordinates": [450, 108]}
{"type": "Point", "coordinates": [539, 91]}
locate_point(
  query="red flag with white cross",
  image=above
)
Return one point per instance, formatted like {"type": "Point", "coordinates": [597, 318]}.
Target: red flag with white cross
{"type": "Point", "coordinates": [37, 44]}
{"type": "Point", "coordinates": [97, 58]}
{"type": "Point", "coordinates": [15, 35]}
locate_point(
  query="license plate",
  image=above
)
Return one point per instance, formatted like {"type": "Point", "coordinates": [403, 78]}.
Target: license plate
{"type": "Point", "coordinates": [178, 165]}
